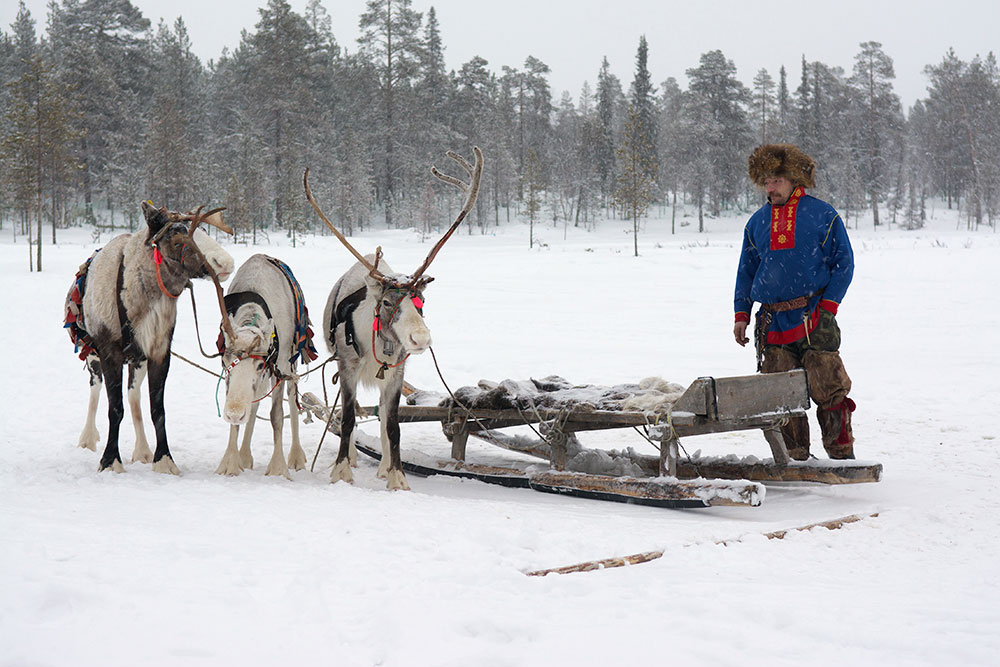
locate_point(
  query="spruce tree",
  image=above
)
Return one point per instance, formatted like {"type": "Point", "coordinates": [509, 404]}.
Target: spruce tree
{"type": "Point", "coordinates": [763, 102]}
{"type": "Point", "coordinates": [880, 117]}
{"type": "Point", "coordinates": [391, 43]}
{"type": "Point", "coordinates": [608, 92]}
{"type": "Point", "coordinates": [644, 104]}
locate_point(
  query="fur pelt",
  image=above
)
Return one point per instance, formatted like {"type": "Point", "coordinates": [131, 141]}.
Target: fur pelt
{"type": "Point", "coordinates": [652, 395]}
{"type": "Point", "coordinates": [776, 160]}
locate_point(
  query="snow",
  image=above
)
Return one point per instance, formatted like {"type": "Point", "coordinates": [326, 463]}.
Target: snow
{"type": "Point", "coordinates": [143, 568]}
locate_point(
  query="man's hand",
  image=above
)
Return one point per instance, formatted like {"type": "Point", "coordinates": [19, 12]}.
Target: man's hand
{"type": "Point", "coordinates": [740, 333]}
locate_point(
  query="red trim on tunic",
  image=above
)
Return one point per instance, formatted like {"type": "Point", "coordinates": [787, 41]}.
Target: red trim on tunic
{"type": "Point", "coordinates": [830, 306]}
{"type": "Point", "coordinates": [742, 317]}
{"type": "Point", "coordinates": [793, 335]}
{"type": "Point", "coordinates": [783, 222]}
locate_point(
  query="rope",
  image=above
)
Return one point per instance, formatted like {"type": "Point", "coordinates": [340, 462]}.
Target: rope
{"type": "Point", "coordinates": [197, 329]}
{"type": "Point", "coordinates": [329, 420]}
{"type": "Point", "coordinates": [468, 410]}
{"type": "Point", "coordinates": [202, 368]}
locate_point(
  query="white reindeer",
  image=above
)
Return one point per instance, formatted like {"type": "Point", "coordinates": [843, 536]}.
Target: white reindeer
{"type": "Point", "coordinates": [268, 335]}
{"type": "Point", "coordinates": [122, 309]}
{"type": "Point", "coordinates": [371, 297]}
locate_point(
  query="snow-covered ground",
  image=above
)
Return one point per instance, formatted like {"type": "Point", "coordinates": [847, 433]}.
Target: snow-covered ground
{"type": "Point", "coordinates": [147, 569]}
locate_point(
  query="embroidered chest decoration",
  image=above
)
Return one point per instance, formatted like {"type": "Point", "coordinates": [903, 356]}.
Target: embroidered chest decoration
{"type": "Point", "coordinates": [783, 222]}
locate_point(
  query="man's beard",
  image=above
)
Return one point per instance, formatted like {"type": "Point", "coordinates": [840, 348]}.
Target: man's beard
{"type": "Point", "coordinates": [775, 200]}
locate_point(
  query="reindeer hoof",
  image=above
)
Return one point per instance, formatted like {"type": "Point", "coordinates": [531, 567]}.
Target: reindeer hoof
{"type": "Point", "coordinates": [115, 466]}
{"type": "Point", "coordinates": [342, 471]}
{"type": "Point", "coordinates": [277, 467]}
{"type": "Point", "coordinates": [396, 481]}
{"type": "Point", "coordinates": [230, 465]}
{"type": "Point", "coordinates": [297, 458]}
{"type": "Point", "coordinates": [166, 466]}
{"type": "Point", "coordinates": [141, 453]}
{"type": "Point", "coordinates": [89, 441]}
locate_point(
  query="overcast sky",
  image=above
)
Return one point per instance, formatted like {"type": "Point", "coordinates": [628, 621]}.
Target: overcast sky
{"type": "Point", "coordinates": [572, 36]}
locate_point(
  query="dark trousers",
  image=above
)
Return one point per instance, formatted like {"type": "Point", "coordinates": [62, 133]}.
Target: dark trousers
{"type": "Point", "coordinates": [829, 385]}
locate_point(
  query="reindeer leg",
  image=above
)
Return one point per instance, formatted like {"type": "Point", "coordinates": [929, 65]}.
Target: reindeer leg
{"type": "Point", "coordinates": [111, 458]}
{"type": "Point", "coordinates": [246, 456]}
{"type": "Point", "coordinates": [162, 461]}
{"type": "Point", "coordinates": [389, 423]}
{"type": "Point", "coordinates": [89, 436]}
{"type": "Point", "coordinates": [230, 464]}
{"type": "Point", "coordinates": [277, 465]}
{"type": "Point", "coordinates": [342, 468]}
{"type": "Point", "coordinates": [296, 455]}
{"type": "Point", "coordinates": [141, 453]}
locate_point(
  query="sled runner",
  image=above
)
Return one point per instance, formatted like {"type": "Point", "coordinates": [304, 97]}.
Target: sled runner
{"type": "Point", "coordinates": [664, 415]}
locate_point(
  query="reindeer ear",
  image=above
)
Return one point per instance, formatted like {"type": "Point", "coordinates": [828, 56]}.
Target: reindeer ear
{"type": "Point", "coordinates": [155, 217]}
{"type": "Point", "coordinates": [373, 284]}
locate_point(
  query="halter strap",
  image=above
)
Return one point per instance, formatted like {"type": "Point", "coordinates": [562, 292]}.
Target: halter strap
{"type": "Point", "coordinates": [157, 260]}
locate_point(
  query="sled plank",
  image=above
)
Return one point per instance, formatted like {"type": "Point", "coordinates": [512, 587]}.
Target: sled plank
{"type": "Point", "coordinates": [662, 491]}
{"type": "Point", "coordinates": [821, 471]}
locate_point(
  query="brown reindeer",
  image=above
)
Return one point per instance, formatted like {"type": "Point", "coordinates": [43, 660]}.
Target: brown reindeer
{"type": "Point", "coordinates": [122, 309]}
{"type": "Point", "coordinates": [371, 297]}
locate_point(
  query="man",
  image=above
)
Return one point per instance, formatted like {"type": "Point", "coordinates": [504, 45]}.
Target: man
{"type": "Point", "coordinates": [797, 263]}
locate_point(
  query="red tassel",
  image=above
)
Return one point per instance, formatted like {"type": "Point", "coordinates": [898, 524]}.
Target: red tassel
{"type": "Point", "coordinates": [847, 406]}
{"type": "Point", "coordinates": [157, 257]}
{"type": "Point", "coordinates": [376, 325]}
{"type": "Point", "coordinates": [418, 302]}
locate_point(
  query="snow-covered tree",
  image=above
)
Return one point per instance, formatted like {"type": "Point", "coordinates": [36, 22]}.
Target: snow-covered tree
{"type": "Point", "coordinates": [880, 115]}
{"type": "Point", "coordinates": [390, 40]}
{"type": "Point", "coordinates": [636, 185]}
{"type": "Point", "coordinates": [719, 98]}
{"type": "Point", "coordinates": [763, 103]}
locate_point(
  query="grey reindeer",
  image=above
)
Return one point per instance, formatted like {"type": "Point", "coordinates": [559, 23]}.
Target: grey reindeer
{"type": "Point", "coordinates": [370, 296]}
{"type": "Point", "coordinates": [122, 309]}
{"type": "Point", "coordinates": [268, 333]}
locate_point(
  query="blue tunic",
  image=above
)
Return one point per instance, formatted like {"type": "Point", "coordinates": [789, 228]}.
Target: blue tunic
{"type": "Point", "coordinates": [816, 257]}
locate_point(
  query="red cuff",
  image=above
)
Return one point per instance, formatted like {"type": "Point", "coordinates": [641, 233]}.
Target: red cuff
{"type": "Point", "coordinates": [828, 305]}
{"type": "Point", "coordinates": [742, 317]}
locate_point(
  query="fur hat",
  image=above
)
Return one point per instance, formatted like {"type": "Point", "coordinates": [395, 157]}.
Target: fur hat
{"type": "Point", "coordinates": [776, 160]}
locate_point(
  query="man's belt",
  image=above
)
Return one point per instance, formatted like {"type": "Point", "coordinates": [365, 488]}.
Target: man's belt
{"type": "Point", "coordinates": [791, 304]}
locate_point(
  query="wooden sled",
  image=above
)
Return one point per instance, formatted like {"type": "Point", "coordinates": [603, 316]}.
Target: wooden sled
{"type": "Point", "coordinates": [708, 405]}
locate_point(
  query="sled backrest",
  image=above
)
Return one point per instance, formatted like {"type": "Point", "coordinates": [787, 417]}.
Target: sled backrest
{"type": "Point", "coordinates": [745, 396]}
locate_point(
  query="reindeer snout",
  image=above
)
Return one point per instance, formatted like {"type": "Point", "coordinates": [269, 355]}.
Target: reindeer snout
{"type": "Point", "coordinates": [223, 268]}
{"type": "Point", "coordinates": [236, 414]}
{"type": "Point", "coordinates": [419, 341]}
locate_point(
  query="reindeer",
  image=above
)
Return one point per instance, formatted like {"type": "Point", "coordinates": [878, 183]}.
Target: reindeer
{"type": "Point", "coordinates": [122, 309]}
{"type": "Point", "coordinates": [262, 342]}
{"type": "Point", "coordinates": [371, 295]}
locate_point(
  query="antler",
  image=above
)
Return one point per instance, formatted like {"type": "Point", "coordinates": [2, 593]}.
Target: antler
{"type": "Point", "coordinates": [472, 192]}
{"type": "Point", "coordinates": [372, 270]}
{"type": "Point", "coordinates": [213, 218]}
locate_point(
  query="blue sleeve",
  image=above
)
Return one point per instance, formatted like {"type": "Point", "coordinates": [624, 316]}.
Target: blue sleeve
{"type": "Point", "coordinates": [749, 261]}
{"type": "Point", "coordinates": [839, 257]}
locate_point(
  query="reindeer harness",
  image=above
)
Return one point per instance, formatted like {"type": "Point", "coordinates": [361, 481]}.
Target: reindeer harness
{"type": "Point", "coordinates": [74, 322]}
{"type": "Point", "coordinates": [303, 334]}
{"type": "Point", "coordinates": [381, 321]}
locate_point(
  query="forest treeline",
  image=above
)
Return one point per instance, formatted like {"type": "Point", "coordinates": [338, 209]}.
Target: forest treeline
{"type": "Point", "coordinates": [105, 110]}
